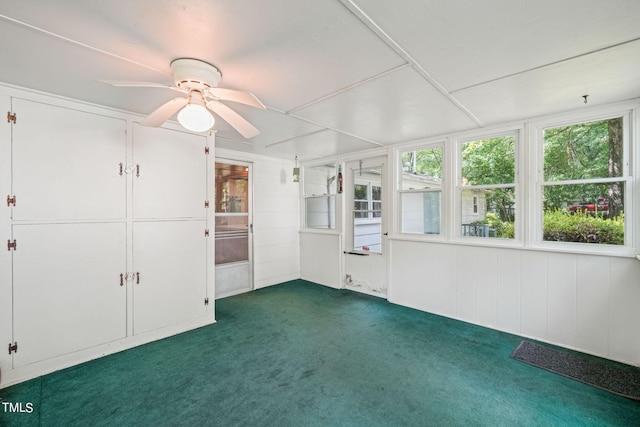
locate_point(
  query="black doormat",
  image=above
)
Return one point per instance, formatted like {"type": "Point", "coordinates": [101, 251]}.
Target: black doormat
{"type": "Point", "coordinates": [622, 380]}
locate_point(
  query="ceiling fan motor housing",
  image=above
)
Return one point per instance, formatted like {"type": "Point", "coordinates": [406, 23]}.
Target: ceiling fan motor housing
{"type": "Point", "coordinates": [193, 74]}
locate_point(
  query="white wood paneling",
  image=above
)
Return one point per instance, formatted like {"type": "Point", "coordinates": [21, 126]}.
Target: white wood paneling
{"type": "Point", "coordinates": [561, 302]}
{"type": "Point", "coordinates": [427, 282]}
{"type": "Point", "coordinates": [583, 302]}
{"type": "Point", "coordinates": [66, 164]}
{"type": "Point", "coordinates": [398, 100]}
{"type": "Point", "coordinates": [533, 296]}
{"type": "Point", "coordinates": [487, 286]}
{"type": "Point", "coordinates": [623, 312]}
{"type": "Point", "coordinates": [508, 277]}
{"type": "Point", "coordinates": [170, 257]}
{"type": "Point", "coordinates": [445, 36]}
{"type": "Point", "coordinates": [592, 303]}
{"type": "Point", "coordinates": [465, 283]}
{"type": "Point", "coordinates": [173, 174]}
{"type": "Point", "coordinates": [67, 294]}
{"type": "Point", "coordinates": [446, 283]}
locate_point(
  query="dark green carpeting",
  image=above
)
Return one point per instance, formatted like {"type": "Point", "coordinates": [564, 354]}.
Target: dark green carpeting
{"type": "Point", "coordinates": [299, 354]}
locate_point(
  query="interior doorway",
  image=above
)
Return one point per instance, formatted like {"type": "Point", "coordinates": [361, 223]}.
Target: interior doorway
{"type": "Point", "coordinates": [366, 243]}
{"type": "Point", "coordinates": [233, 227]}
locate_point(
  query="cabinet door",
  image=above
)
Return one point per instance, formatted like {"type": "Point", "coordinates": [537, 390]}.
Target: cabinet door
{"type": "Point", "coordinates": [66, 288]}
{"type": "Point", "coordinates": [171, 260]}
{"type": "Point", "coordinates": [172, 179]}
{"type": "Point", "coordinates": [66, 164]}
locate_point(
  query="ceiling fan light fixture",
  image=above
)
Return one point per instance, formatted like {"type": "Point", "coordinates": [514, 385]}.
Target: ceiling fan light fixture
{"type": "Point", "coordinates": [196, 118]}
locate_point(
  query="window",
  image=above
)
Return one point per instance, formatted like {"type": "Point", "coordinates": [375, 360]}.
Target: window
{"type": "Point", "coordinates": [487, 187]}
{"type": "Point", "coordinates": [584, 182]}
{"type": "Point", "coordinates": [367, 201]}
{"type": "Point", "coordinates": [367, 210]}
{"type": "Point", "coordinates": [231, 213]}
{"type": "Point", "coordinates": [320, 196]}
{"type": "Point", "coordinates": [421, 190]}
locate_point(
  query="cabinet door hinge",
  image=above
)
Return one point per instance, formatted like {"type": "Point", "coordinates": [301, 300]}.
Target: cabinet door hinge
{"type": "Point", "coordinates": [11, 117]}
{"type": "Point", "coordinates": [206, 150]}
{"type": "Point", "coordinates": [206, 203]}
{"type": "Point", "coordinates": [206, 233]}
{"type": "Point", "coordinates": [11, 200]}
{"type": "Point", "coordinates": [12, 245]}
{"type": "Point", "coordinates": [206, 301]}
{"type": "Point", "coordinates": [13, 348]}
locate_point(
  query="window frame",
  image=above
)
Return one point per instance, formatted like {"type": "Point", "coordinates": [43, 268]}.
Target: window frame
{"type": "Point", "coordinates": [536, 189]}
{"type": "Point", "coordinates": [333, 197]}
{"type": "Point", "coordinates": [443, 190]}
{"type": "Point", "coordinates": [456, 233]}
{"type": "Point", "coordinates": [370, 211]}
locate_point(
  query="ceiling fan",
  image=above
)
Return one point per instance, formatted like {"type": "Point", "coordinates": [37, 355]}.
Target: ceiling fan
{"type": "Point", "coordinates": [198, 81]}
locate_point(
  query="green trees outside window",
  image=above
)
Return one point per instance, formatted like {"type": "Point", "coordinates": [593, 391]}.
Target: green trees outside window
{"type": "Point", "coordinates": [584, 188]}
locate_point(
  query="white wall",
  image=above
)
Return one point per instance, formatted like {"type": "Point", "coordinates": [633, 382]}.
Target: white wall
{"type": "Point", "coordinates": [276, 218]}
{"type": "Point", "coordinates": [584, 302]}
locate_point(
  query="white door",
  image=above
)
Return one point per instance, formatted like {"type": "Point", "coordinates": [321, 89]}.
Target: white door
{"type": "Point", "coordinates": [169, 172]}
{"type": "Point", "coordinates": [67, 293]}
{"type": "Point", "coordinates": [66, 164]}
{"type": "Point", "coordinates": [233, 237]}
{"type": "Point", "coordinates": [365, 233]}
{"type": "Point", "coordinates": [169, 274]}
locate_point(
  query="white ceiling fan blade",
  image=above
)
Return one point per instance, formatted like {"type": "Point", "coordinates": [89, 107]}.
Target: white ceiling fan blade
{"type": "Point", "coordinates": [246, 98]}
{"type": "Point", "coordinates": [164, 112]}
{"type": "Point", "coordinates": [238, 122]}
{"type": "Point", "coordinates": [135, 83]}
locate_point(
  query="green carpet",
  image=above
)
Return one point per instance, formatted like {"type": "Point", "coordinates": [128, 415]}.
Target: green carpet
{"type": "Point", "coordinates": [299, 354]}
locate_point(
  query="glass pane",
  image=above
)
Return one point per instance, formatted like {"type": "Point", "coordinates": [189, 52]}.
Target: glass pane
{"type": "Point", "coordinates": [376, 192]}
{"type": "Point", "coordinates": [361, 209]}
{"type": "Point", "coordinates": [422, 169]}
{"type": "Point", "coordinates": [321, 212]}
{"type": "Point", "coordinates": [584, 213]}
{"type": "Point", "coordinates": [421, 212]}
{"type": "Point", "coordinates": [320, 180]}
{"type": "Point", "coordinates": [231, 238]}
{"type": "Point", "coordinates": [367, 236]}
{"type": "Point", "coordinates": [360, 192]}
{"type": "Point", "coordinates": [583, 151]}
{"type": "Point", "coordinates": [232, 188]}
{"type": "Point", "coordinates": [489, 161]}
{"type": "Point", "coordinates": [492, 215]}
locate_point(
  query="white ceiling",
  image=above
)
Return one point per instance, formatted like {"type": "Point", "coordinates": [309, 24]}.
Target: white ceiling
{"type": "Point", "coordinates": [337, 76]}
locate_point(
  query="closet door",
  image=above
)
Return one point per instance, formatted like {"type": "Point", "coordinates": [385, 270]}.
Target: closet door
{"type": "Point", "coordinates": [169, 175]}
{"type": "Point", "coordinates": [169, 223]}
{"type": "Point", "coordinates": [66, 288]}
{"type": "Point", "coordinates": [66, 164]}
{"type": "Point", "coordinates": [170, 264]}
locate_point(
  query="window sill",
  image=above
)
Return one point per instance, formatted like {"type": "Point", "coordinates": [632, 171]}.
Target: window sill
{"type": "Point", "coordinates": [578, 249]}
{"type": "Point", "coordinates": [324, 231]}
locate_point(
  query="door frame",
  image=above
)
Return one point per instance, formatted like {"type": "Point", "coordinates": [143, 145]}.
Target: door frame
{"type": "Point", "coordinates": [366, 271]}
{"type": "Point", "coordinates": [249, 262]}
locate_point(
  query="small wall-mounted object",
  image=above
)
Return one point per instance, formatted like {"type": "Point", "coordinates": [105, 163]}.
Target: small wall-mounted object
{"type": "Point", "coordinates": [296, 172]}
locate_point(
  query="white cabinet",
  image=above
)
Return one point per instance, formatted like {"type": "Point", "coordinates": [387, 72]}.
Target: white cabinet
{"type": "Point", "coordinates": [171, 259]}
{"type": "Point", "coordinates": [110, 228]}
{"type": "Point", "coordinates": [170, 179]}
{"type": "Point", "coordinates": [66, 288]}
{"type": "Point", "coordinates": [66, 164]}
